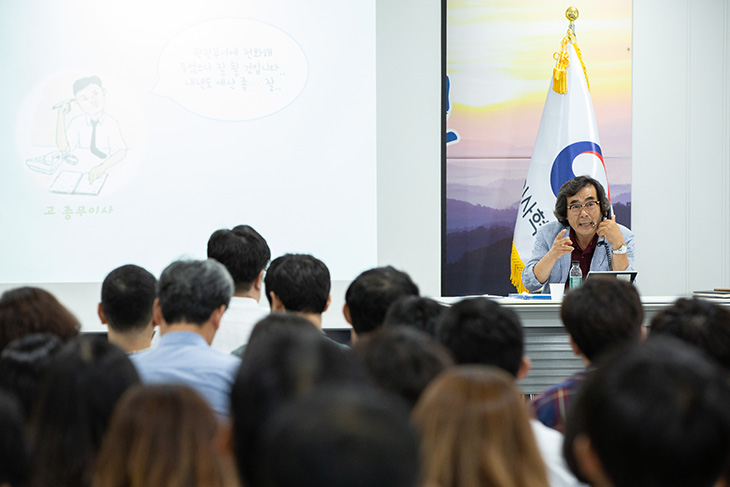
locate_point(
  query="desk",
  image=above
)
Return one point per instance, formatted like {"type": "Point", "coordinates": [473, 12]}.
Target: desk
{"type": "Point", "coordinates": [546, 341]}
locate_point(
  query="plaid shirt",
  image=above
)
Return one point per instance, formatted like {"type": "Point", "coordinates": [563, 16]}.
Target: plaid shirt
{"type": "Point", "coordinates": [551, 406]}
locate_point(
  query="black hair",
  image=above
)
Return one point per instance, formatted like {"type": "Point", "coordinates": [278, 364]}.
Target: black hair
{"type": "Point", "coordinates": [14, 444]}
{"type": "Point", "coordinates": [190, 290]}
{"type": "Point", "coordinates": [481, 331]}
{"type": "Point", "coordinates": [301, 281]}
{"type": "Point", "coordinates": [243, 251]}
{"type": "Point", "coordinates": [276, 367]}
{"type": "Point", "coordinates": [420, 313]}
{"type": "Point", "coordinates": [571, 187]}
{"type": "Point", "coordinates": [371, 293]}
{"type": "Point", "coordinates": [86, 379]}
{"type": "Point", "coordinates": [402, 360]}
{"type": "Point", "coordinates": [602, 314]}
{"type": "Point", "coordinates": [279, 323]}
{"type": "Point", "coordinates": [24, 364]}
{"type": "Point", "coordinates": [656, 414]}
{"type": "Point", "coordinates": [700, 323]}
{"type": "Point", "coordinates": [127, 295]}
{"type": "Point", "coordinates": [341, 438]}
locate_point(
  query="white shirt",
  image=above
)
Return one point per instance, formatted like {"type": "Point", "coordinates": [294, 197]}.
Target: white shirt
{"type": "Point", "coordinates": [237, 322]}
{"type": "Point", "coordinates": [550, 444]}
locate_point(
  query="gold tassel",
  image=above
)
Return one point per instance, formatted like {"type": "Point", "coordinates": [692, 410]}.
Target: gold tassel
{"type": "Point", "coordinates": [562, 61]}
{"type": "Point", "coordinates": [516, 266]}
{"type": "Point", "coordinates": [560, 71]}
{"type": "Point", "coordinates": [560, 80]}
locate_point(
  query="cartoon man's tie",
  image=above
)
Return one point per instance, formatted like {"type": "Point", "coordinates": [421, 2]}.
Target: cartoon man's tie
{"type": "Point", "coordinates": [95, 150]}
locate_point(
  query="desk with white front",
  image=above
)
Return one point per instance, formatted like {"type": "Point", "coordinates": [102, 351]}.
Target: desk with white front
{"type": "Point", "coordinates": [546, 341]}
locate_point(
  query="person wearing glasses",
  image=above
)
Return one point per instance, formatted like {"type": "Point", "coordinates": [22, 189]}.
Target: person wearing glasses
{"type": "Point", "coordinates": [585, 232]}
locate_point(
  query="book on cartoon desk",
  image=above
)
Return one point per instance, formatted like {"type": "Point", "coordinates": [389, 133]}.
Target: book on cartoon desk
{"type": "Point", "coordinates": [76, 182]}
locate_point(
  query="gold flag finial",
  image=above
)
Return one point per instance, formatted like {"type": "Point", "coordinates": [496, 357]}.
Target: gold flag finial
{"type": "Point", "coordinates": [572, 15]}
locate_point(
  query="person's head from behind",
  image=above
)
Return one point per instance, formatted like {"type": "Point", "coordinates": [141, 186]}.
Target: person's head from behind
{"type": "Point", "coordinates": [299, 283]}
{"type": "Point", "coordinates": [27, 310]}
{"type": "Point", "coordinates": [279, 323]}
{"type": "Point", "coordinates": [278, 366]}
{"type": "Point", "coordinates": [574, 186]}
{"type": "Point", "coordinates": [699, 322]}
{"type": "Point", "coordinates": [193, 292]}
{"type": "Point", "coordinates": [245, 254]}
{"type": "Point", "coordinates": [402, 360]}
{"type": "Point", "coordinates": [127, 295]}
{"type": "Point", "coordinates": [344, 437]}
{"type": "Point", "coordinates": [481, 331]}
{"type": "Point", "coordinates": [654, 414]}
{"type": "Point", "coordinates": [24, 364]}
{"type": "Point", "coordinates": [370, 295]}
{"type": "Point", "coordinates": [86, 379]}
{"type": "Point", "coordinates": [14, 444]}
{"type": "Point", "coordinates": [602, 314]}
{"type": "Point", "coordinates": [420, 313]}
{"type": "Point", "coordinates": [160, 434]}
{"type": "Point", "coordinates": [475, 431]}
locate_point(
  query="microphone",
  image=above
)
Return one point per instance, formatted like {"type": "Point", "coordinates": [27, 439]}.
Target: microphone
{"type": "Point", "coordinates": [62, 103]}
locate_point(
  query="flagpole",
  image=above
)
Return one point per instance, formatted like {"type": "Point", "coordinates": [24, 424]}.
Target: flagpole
{"type": "Point", "coordinates": [572, 15]}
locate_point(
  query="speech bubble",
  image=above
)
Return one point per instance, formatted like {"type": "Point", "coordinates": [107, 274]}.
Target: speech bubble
{"type": "Point", "coordinates": [232, 69]}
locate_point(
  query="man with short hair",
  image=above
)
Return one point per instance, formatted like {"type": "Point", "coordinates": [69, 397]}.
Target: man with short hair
{"type": "Point", "coordinates": [481, 331]}
{"type": "Point", "coordinates": [127, 295]}
{"type": "Point", "coordinates": [698, 322]}
{"type": "Point", "coordinates": [193, 295]}
{"type": "Point", "coordinates": [299, 283]}
{"type": "Point", "coordinates": [599, 316]}
{"type": "Point", "coordinates": [245, 253]}
{"type": "Point", "coordinates": [585, 232]}
{"type": "Point", "coordinates": [341, 438]}
{"type": "Point", "coordinates": [370, 295]}
{"type": "Point", "coordinates": [654, 415]}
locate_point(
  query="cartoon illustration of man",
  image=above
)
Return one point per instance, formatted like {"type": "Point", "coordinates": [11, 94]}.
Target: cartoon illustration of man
{"type": "Point", "coordinates": [94, 130]}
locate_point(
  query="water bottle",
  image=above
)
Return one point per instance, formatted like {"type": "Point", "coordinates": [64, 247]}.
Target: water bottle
{"type": "Point", "coordinates": [576, 275]}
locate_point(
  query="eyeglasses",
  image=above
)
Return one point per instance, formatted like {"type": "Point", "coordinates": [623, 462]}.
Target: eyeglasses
{"type": "Point", "coordinates": [589, 206]}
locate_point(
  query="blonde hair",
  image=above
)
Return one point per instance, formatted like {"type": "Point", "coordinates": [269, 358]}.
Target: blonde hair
{"type": "Point", "coordinates": [160, 435]}
{"type": "Point", "coordinates": [475, 432]}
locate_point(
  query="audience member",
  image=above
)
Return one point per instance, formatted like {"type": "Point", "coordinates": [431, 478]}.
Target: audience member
{"type": "Point", "coordinates": [479, 331]}
{"type": "Point", "coordinates": [86, 379]}
{"type": "Point", "coordinates": [160, 435]}
{"type": "Point", "coordinates": [370, 295]}
{"type": "Point", "coordinates": [277, 367]}
{"type": "Point", "coordinates": [299, 283]}
{"type": "Point", "coordinates": [699, 322]}
{"type": "Point", "coordinates": [341, 438]}
{"type": "Point", "coordinates": [245, 254]}
{"type": "Point", "coordinates": [127, 295]}
{"type": "Point", "coordinates": [598, 316]}
{"type": "Point", "coordinates": [193, 296]}
{"type": "Point", "coordinates": [402, 360]}
{"type": "Point", "coordinates": [654, 415]}
{"type": "Point", "coordinates": [475, 431]}
{"type": "Point", "coordinates": [27, 310]}
{"type": "Point", "coordinates": [24, 364]}
{"type": "Point", "coordinates": [420, 313]}
{"type": "Point", "coordinates": [14, 445]}
{"type": "Point", "coordinates": [276, 323]}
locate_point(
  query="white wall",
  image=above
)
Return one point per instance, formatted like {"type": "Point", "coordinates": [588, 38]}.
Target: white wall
{"type": "Point", "coordinates": [409, 165]}
{"type": "Point", "coordinates": [681, 144]}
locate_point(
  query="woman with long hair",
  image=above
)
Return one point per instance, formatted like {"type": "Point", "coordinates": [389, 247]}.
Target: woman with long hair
{"type": "Point", "coordinates": [475, 432]}
{"type": "Point", "coordinates": [160, 434]}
